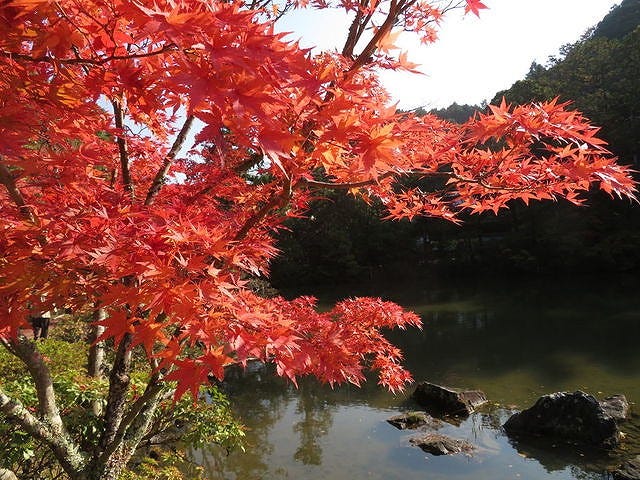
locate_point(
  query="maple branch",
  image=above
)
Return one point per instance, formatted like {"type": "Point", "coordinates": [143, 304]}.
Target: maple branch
{"type": "Point", "coordinates": [364, 57]}
{"type": "Point", "coordinates": [488, 186]}
{"type": "Point", "coordinates": [371, 181]}
{"type": "Point", "coordinates": [141, 423]}
{"type": "Point", "coordinates": [238, 170]}
{"type": "Point", "coordinates": [119, 380]}
{"type": "Point", "coordinates": [96, 350]}
{"type": "Point", "coordinates": [50, 429]}
{"type": "Point", "coordinates": [137, 419]}
{"type": "Point", "coordinates": [355, 32]}
{"type": "Point", "coordinates": [26, 351]}
{"type": "Point", "coordinates": [65, 451]}
{"type": "Point", "coordinates": [349, 185]}
{"type": "Point", "coordinates": [8, 181]}
{"type": "Point", "coordinates": [171, 47]}
{"type": "Point", "coordinates": [275, 202]}
{"type": "Point", "coordinates": [159, 179]}
{"type": "Point", "coordinates": [95, 358]}
{"type": "Point", "coordinates": [118, 114]}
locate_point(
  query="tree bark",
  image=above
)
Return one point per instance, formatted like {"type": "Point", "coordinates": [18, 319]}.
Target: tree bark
{"type": "Point", "coordinates": [96, 353]}
{"type": "Point", "coordinates": [118, 388]}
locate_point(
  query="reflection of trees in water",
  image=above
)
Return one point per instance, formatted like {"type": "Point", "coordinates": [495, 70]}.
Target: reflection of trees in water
{"type": "Point", "coordinates": [259, 399]}
{"type": "Point", "coordinates": [317, 418]}
{"type": "Point", "coordinates": [552, 330]}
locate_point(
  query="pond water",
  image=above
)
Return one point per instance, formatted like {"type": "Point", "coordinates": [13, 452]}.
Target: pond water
{"type": "Point", "coordinates": [513, 340]}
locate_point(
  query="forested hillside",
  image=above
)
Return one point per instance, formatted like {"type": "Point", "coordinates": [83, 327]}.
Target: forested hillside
{"type": "Point", "coordinates": [600, 74]}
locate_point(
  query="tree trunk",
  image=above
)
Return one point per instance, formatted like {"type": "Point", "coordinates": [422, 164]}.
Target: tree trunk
{"type": "Point", "coordinates": [96, 349]}
{"type": "Point", "coordinates": [96, 353]}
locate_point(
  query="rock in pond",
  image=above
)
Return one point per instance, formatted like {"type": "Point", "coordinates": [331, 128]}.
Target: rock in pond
{"type": "Point", "coordinates": [411, 420]}
{"type": "Point", "coordinates": [437, 444]}
{"type": "Point", "coordinates": [629, 470]}
{"type": "Point", "coordinates": [448, 401]}
{"type": "Point", "coordinates": [616, 406]}
{"type": "Point", "coordinates": [7, 474]}
{"type": "Point", "coordinates": [575, 417]}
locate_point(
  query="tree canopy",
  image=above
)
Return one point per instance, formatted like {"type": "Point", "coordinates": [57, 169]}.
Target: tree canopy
{"type": "Point", "coordinates": [103, 210]}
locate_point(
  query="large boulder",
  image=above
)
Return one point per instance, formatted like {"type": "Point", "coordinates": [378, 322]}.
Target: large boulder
{"type": "Point", "coordinates": [441, 400]}
{"type": "Point", "coordinates": [413, 420]}
{"type": "Point", "coordinates": [437, 444]}
{"type": "Point", "coordinates": [575, 417]}
{"type": "Point", "coordinates": [629, 470]}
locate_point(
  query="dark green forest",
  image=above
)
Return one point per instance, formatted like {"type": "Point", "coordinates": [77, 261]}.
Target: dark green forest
{"type": "Point", "coordinates": [344, 240]}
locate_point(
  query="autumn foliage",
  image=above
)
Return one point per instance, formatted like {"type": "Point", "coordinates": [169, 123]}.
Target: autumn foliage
{"type": "Point", "coordinates": [150, 149]}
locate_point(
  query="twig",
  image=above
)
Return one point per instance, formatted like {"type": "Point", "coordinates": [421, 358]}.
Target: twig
{"type": "Point", "coordinates": [159, 179]}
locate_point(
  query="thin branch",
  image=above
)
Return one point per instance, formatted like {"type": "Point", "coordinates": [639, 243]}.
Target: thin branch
{"type": "Point", "coordinates": [118, 113]}
{"type": "Point", "coordinates": [6, 179]}
{"type": "Point", "coordinates": [365, 55]}
{"type": "Point", "coordinates": [159, 179]}
{"type": "Point", "coordinates": [480, 181]}
{"type": "Point", "coordinates": [350, 185]}
{"type": "Point", "coordinates": [64, 450]}
{"type": "Point", "coordinates": [95, 358]}
{"type": "Point", "coordinates": [141, 424]}
{"type": "Point", "coordinates": [355, 31]}
{"type": "Point", "coordinates": [372, 181]}
{"type": "Point", "coordinates": [276, 202]}
{"type": "Point", "coordinates": [87, 61]}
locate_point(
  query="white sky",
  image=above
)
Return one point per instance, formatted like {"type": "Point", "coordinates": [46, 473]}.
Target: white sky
{"type": "Point", "coordinates": [474, 58]}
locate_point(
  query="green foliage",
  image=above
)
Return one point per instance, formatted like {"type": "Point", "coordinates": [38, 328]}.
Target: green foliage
{"type": "Point", "coordinates": [620, 21]}
{"type": "Point", "coordinates": [457, 113]}
{"type": "Point", "coordinates": [178, 424]}
{"type": "Point", "coordinates": [342, 240]}
{"type": "Point", "coordinates": [165, 465]}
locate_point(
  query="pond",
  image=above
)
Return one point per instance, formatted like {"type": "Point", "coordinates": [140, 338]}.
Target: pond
{"type": "Point", "coordinates": [514, 340]}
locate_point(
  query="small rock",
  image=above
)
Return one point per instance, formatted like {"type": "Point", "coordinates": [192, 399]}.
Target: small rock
{"type": "Point", "coordinates": [7, 474]}
{"type": "Point", "coordinates": [437, 444]}
{"type": "Point", "coordinates": [576, 417]}
{"type": "Point", "coordinates": [447, 401]}
{"type": "Point", "coordinates": [411, 420]}
{"type": "Point", "coordinates": [616, 407]}
{"type": "Point", "coordinates": [629, 470]}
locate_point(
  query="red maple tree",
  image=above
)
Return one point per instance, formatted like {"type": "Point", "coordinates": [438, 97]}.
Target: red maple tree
{"type": "Point", "coordinates": [150, 149]}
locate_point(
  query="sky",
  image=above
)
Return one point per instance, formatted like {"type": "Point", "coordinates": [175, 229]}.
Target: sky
{"type": "Point", "coordinates": [474, 58]}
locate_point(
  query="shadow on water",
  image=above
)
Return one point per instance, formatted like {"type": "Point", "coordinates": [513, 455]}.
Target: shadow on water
{"type": "Point", "coordinates": [514, 341]}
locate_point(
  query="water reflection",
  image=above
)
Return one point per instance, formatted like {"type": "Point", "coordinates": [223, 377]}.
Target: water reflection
{"type": "Point", "coordinates": [261, 398]}
{"type": "Point", "coordinates": [515, 343]}
{"type": "Point", "coordinates": [315, 421]}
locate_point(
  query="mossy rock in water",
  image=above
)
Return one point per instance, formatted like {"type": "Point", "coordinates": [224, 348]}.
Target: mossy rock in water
{"type": "Point", "coordinates": [413, 420]}
{"type": "Point", "coordinates": [437, 444]}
